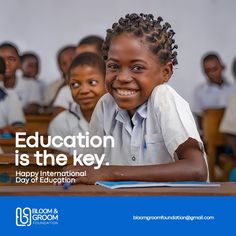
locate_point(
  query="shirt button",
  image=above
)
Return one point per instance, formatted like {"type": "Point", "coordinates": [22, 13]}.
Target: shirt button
{"type": "Point", "coordinates": [133, 158]}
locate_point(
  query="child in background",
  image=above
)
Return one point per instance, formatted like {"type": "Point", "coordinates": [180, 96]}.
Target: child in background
{"type": "Point", "coordinates": [86, 81]}
{"type": "Point", "coordinates": [91, 43]}
{"type": "Point", "coordinates": [27, 91]}
{"type": "Point", "coordinates": [11, 112]}
{"type": "Point", "coordinates": [155, 135]}
{"type": "Point", "coordinates": [213, 93]}
{"type": "Point", "coordinates": [30, 66]}
{"type": "Point", "coordinates": [64, 58]}
{"type": "Point", "coordinates": [228, 126]}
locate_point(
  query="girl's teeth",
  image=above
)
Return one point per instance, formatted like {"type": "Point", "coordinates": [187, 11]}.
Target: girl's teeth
{"type": "Point", "coordinates": [125, 92]}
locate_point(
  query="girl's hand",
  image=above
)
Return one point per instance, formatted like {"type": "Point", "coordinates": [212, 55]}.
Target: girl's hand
{"type": "Point", "coordinates": [89, 175]}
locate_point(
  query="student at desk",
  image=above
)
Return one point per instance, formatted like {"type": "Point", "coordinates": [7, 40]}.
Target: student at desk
{"type": "Point", "coordinates": [27, 91]}
{"type": "Point", "coordinates": [91, 43]}
{"type": "Point", "coordinates": [86, 81]}
{"type": "Point", "coordinates": [155, 135]}
{"type": "Point", "coordinates": [215, 91]}
{"type": "Point", "coordinates": [11, 112]}
{"type": "Point", "coordinates": [54, 99]}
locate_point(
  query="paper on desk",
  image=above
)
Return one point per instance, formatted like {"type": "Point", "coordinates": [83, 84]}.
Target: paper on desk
{"type": "Point", "coordinates": [138, 184]}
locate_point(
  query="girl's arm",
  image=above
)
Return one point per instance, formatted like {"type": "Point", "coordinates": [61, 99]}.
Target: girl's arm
{"type": "Point", "coordinates": [191, 166]}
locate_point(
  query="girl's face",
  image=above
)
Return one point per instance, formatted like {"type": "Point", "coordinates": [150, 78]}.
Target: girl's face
{"type": "Point", "coordinates": [87, 86]}
{"type": "Point", "coordinates": [133, 71]}
{"type": "Point", "coordinates": [12, 61]}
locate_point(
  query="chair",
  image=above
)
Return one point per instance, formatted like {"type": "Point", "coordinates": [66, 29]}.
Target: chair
{"type": "Point", "coordinates": [211, 135]}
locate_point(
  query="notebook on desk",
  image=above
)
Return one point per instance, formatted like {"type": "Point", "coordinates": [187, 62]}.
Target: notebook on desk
{"type": "Point", "coordinates": [139, 184]}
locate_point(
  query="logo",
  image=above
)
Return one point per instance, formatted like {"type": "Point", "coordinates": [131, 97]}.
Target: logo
{"type": "Point", "coordinates": [38, 216]}
{"type": "Point", "coordinates": [23, 216]}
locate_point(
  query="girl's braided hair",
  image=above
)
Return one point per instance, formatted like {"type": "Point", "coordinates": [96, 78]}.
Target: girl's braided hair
{"type": "Point", "coordinates": [158, 34]}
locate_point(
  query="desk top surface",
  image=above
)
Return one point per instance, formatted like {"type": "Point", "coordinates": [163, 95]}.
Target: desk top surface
{"type": "Point", "coordinates": [226, 189]}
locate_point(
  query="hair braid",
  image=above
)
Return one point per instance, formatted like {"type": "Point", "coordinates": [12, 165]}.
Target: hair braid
{"type": "Point", "coordinates": [159, 35]}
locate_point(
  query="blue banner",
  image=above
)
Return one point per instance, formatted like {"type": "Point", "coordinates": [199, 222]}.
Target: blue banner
{"type": "Point", "coordinates": [117, 215]}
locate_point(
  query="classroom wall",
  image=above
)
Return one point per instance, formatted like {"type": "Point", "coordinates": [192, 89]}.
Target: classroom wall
{"type": "Point", "coordinates": [46, 25]}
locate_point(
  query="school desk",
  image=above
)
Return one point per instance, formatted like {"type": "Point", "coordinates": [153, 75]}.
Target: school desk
{"type": "Point", "coordinates": [226, 189]}
{"type": "Point", "coordinates": [8, 146]}
{"type": "Point", "coordinates": [8, 168]}
{"type": "Point", "coordinates": [37, 123]}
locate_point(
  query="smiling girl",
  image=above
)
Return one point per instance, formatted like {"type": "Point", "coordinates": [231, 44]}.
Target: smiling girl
{"type": "Point", "coordinates": [156, 138]}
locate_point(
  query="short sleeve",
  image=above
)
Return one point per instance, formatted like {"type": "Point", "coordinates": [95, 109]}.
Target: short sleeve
{"type": "Point", "coordinates": [175, 119]}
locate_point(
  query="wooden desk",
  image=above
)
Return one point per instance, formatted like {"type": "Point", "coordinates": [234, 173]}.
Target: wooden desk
{"type": "Point", "coordinates": [39, 118]}
{"type": "Point", "coordinates": [9, 146]}
{"type": "Point", "coordinates": [8, 189]}
{"type": "Point", "coordinates": [226, 189]}
{"type": "Point", "coordinates": [37, 123]}
{"type": "Point", "coordinates": [8, 168]}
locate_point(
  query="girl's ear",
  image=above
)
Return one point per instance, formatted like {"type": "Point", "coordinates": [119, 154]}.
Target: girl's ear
{"type": "Point", "coordinates": [167, 71]}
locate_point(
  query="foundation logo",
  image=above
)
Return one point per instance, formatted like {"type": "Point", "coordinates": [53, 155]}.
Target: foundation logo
{"type": "Point", "coordinates": [23, 216]}
{"type": "Point", "coordinates": [37, 216]}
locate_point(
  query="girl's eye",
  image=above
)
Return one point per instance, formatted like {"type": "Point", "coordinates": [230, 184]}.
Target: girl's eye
{"type": "Point", "coordinates": [112, 66]}
{"type": "Point", "coordinates": [93, 82]}
{"type": "Point", "coordinates": [74, 85]}
{"type": "Point", "coordinates": [137, 68]}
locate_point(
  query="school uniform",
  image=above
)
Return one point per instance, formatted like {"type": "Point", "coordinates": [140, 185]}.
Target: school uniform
{"type": "Point", "coordinates": [228, 123]}
{"type": "Point", "coordinates": [64, 98]}
{"type": "Point", "coordinates": [51, 91]}
{"type": "Point", "coordinates": [210, 95]}
{"type": "Point", "coordinates": [68, 123]}
{"type": "Point", "coordinates": [11, 111]}
{"type": "Point", "coordinates": [28, 91]}
{"type": "Point", "coordinates": [158, 127]}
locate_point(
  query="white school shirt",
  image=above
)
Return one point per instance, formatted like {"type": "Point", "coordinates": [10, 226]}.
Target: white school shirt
{"type": "Point", "coordinates": [159, 126]}
{"type": "Point", "coordinates": [28, 91]}
{"type": "Point", "coordinates": [64, 98]}
{"type": "Point", "coordinates": [228, 123]}
{"type": "Point", "coordinates": [209, 95]}
{"type": "Point", "coordinates": [68, 123]}
{"type": "Point", "coordinates": [51, 91]}
{"type": "Point", "coordinates": [11, 109]}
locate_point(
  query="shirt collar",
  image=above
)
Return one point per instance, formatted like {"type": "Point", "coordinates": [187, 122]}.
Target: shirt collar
{"type": "Point", "coordinates": [122, 115]}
